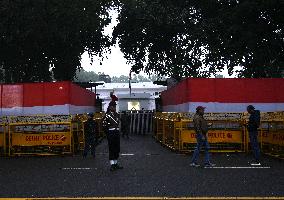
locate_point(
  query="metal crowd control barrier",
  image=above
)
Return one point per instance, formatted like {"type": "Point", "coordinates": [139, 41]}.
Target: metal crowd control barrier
{"type": "Point", "coordinates": [3, 131]}
{"type": "Point", "coordinates": [271, 134]}
{"type": "Point", "coordinates": [78, 130]}
{"type": "Point", "coordinates": [225, 135]}
{"type": "Point", "coordinates": [40, 135]}
{"type": "Point", "coordinates": [162, 126]}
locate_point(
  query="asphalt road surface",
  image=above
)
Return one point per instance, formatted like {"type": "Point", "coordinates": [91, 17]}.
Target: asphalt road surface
{"type": "Point", "coordinates": [150, 170]}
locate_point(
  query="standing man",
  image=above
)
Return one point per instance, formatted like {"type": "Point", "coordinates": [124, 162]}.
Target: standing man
{"type": "Point", "coordinates": [252, 126]}
{"type": "Point", "coordinates": [90, 135]}
{"type": "Point", "coordinates": [201, 130]}
{"type": "Point", "coordinates": [125, 124]}
{"type": "Point", "coordinates": [111, 127]}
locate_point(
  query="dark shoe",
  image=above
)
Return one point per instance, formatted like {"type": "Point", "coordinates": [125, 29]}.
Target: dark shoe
{"type": "Point", "coordinates": [112, 167]}
{"type": "Point", "coordinates": [194, 165]}
{"type": "Point", "coordinates": [118, 166]}
{"type": "Point", "coordinates": [209, 164]}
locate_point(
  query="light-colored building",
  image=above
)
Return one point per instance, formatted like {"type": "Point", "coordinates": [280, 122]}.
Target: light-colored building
{"type": "Point", "coordinates": [142, 95]}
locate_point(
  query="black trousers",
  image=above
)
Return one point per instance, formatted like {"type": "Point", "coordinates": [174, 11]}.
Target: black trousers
{"type": "Point", "coordinates": [113, 139]}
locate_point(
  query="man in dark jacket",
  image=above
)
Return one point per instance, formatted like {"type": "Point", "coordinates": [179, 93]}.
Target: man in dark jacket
{"type": "Point", "coordinates": [90, 135]}
{"type": "Point", "coordinates": [125, 124]}
{"type": "Point", "coordinates": [252, 126]}
{"type": "Point", "coordinates": [201, 130]}
{"type": "Point", "coordinates": [111, 127]}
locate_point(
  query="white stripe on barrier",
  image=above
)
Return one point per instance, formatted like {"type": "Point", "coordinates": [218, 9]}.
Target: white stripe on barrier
{"type": "Point", "coordinates": [223, 107]}
{"type": "Point", "coordinates": [55, 110]}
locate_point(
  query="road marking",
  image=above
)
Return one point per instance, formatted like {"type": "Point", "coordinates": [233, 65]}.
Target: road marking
{"type": "Point", "coordinates": [237, 167]}
{"type": "Point", "coordinates": [142, 198]}
{"type": "Point", "coordinates": [127, 154]}
{"type": "Point", "coordinates": [76, 168]}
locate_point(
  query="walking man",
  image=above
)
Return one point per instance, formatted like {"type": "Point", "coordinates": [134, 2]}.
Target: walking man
{"type": "Point", "coordinates": [90, 136]}
{"type": "Point", "coordinates": [111, 127]}
{"type": "Point", "coordinates": [201, 130]}
{"type": "Point", "coordinates": [252, 126]}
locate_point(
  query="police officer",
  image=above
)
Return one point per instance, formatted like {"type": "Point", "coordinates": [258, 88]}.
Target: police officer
{"type": "Point", "coordinates": [111, 127]}
{"type": "Point", "coordinates": [90, 136]}
{"type": "Point", "coordinates": [201, 130]}
{"type": "Point", "coordinates": [252, 126]}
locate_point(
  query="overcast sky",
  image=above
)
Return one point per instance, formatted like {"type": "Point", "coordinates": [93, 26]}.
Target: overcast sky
{"type": "Point", "coordinates": [115, 64]}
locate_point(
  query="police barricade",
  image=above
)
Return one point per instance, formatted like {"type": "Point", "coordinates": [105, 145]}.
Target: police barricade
{"type": "Point", "coordinates": [161, 124]}
{"type": "Point", "coordinates": [170, 137]}
{"type": "Point", "coordinates": [272, 134]}
{"type": "Point", "coordinates": [41, 135]}
{"type": "Point", "coordinates": [158, 126]}
{"type": "Point", "coordinates": [78, 130]}
{"type": "Point", "coordinates": [98, 118]}
{"type": "Point", "coordinates": [225, 135]}
{"type": "Point", "coordinates": [141, 122]}
{"type": "Point", "coordinates": [3, 131]}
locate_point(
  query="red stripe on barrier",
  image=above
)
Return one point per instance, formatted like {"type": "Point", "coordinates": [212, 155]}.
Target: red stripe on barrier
{"type": "Point", "coordinates": [12, 96]}
{"type": "Point", "coordinates": [45, 94]}
{"type": "Point", "coordinates": [268, 90]}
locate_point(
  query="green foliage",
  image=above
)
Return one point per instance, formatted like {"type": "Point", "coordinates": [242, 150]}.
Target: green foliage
{"type": "Point", "coordinates": [135, 78]}
{"type": "Point", "coordinates": [85, 76]}
{"type": "Point", "coordinates": [199, 38]}
{"type": "Point", "coordinates": [44, 38]}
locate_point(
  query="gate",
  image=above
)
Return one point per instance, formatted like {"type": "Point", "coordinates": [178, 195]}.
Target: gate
{"type": "Point", "coordinates": [141, 122]}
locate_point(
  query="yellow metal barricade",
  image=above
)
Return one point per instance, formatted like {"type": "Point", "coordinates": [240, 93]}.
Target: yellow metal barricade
{"type": "Point", "coordinates": [40, 135]}
{"type": "Point", "coordinates": [225, 135]}
{"type": "Point", "coordinates": [159, 126]}
{"type": "Point", "coordinates": [272, 134]}
{"type": "Point", "coordinates": [78, 132]}
{"type": "Point", "coordinates": [98, 118]}
{"type": "Point", "coordinates": [3, 131]}
{"type": "Point", "coordinates": [78, 129]}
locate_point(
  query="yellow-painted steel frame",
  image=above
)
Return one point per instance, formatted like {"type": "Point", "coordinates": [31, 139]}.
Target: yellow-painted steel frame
{"type": "Point", "coordinates": [80, 129]}
{"type": "Point", "coordinates": [10, 133]}
{"type": "Point", "coordinates": [4, 138]}
{"type": "Point", "coordinates": [170, 126]}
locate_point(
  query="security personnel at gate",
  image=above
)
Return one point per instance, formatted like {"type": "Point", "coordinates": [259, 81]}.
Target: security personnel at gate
{"type": "Point", "coordinates": [252, 126]}
{"type": "Point", "coordinates": [90, 135]}
{"type": "Point", "coordinates": [111, 127]}
{"type": "Point", "coordinates": [201, 129]}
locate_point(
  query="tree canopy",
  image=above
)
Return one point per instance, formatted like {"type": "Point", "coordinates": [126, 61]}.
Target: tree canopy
{"type": "Point", "coordinates": [44, 39]}
{"type": "Point", "coordinates": [198, 38]}
{"type": "Point", "coordinates": [90, 76]}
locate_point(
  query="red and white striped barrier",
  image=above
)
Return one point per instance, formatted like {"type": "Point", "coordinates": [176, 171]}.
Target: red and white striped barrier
{"type": "Point", "coordinates": [45, 98]}
{"type": "Point", "coordinates": [225, 95]}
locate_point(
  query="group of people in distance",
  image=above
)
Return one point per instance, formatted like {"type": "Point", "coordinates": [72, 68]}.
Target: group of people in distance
{"type": "Point", "coordinates": [111, 120]}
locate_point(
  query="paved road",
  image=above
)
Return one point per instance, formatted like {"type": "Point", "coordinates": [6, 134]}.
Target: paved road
{"type": "Point", "coordinates": [149, 170]}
